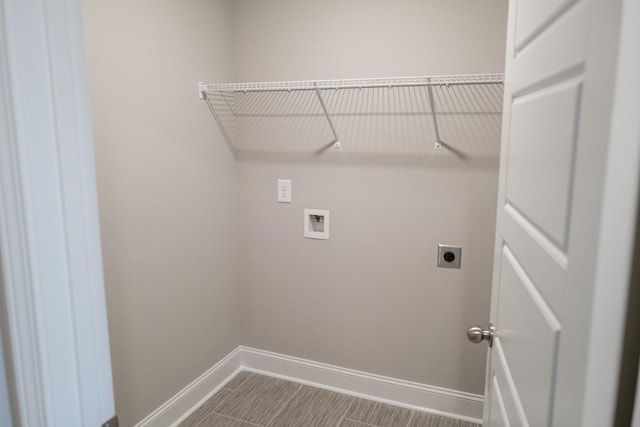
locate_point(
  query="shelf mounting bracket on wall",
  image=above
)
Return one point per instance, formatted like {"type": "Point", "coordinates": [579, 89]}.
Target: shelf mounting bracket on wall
{"type": "Point", "coordinates": [336, 138]}
{"type": "Point", "coordinates": [438, 143]}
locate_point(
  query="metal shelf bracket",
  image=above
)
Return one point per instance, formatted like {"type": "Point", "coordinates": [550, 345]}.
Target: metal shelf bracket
{"type": "Point", "coordinates": [336, 138]}
{"type": "Point", "coordinates": [438, 144]}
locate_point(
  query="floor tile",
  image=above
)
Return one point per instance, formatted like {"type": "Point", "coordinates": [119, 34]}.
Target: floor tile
{"type": "Point", "coordinates": [207, 408]}
{"type": "Point", "coordinates": [422, 419]}
{"type": "Point", "coordinates": [313, 407]}
{"type": "Point", "coordinates": [251, 400]}
{"type": "Point", "coordinates": [258, 399]}
{"type": "Point", "coordinates": [351, 423]}
{"type": "Point", "coordinates": [378, 414]}
{"type": "Point", "coordinates": [215, 420]}
{"type": "Point", "coordinates": [237, 381]}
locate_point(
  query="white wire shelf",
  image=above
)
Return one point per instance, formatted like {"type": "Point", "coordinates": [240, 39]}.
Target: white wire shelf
{"type": "Point", "coordinates": [397, 114]}
{"type": "Point", "coordinates": [388, 82]}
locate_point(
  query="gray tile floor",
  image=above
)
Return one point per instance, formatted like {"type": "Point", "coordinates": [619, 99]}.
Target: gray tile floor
{"type": "Point", "coordinates": [250, 400]}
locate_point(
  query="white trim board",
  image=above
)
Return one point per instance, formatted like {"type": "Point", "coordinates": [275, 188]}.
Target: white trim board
{"type": "Point", "coordinates": [441, 401]}
{"type": "Point", "coordinates": [55, 318]}
{"type": "Point", "coordinates": [437, 400]}
{"type": "Point", "coordinates": [177, 408]}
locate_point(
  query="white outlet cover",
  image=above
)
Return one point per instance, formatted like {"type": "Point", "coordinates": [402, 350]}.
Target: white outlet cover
{"type": "Point", "coordinates": [316, 224]}
{"type": "Point", "coordinates": [284, 191]}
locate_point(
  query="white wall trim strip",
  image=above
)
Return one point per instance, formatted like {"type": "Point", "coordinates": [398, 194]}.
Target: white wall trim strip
{"type": "Point", "coordinates": [177, 408]}
{"type": "Point", "coordinates": [437, 400]}
{"type": "Point", "coordinates": [55, 330]}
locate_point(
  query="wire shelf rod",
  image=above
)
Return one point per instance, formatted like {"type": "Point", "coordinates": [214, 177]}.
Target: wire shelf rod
{"type": "Point", "coordinates": [392, 82]}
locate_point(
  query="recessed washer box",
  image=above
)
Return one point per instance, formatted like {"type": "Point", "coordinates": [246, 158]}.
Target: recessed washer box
{"type": "Point", "coordinates": [316, 224]}
{"type": "Point", "coordinates": [449, 256]}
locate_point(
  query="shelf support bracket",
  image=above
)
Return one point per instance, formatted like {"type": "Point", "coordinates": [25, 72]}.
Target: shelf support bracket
{"type": "Point", "coordinates": [223, 130]}
{"type": "Point", "coordinates": [336, 138]}
{"type": "Point", "coordinates": [438, 143]}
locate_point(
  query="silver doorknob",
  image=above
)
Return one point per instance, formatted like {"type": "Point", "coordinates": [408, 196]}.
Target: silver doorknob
{"type": "Point", "coordinates": [476, 334]}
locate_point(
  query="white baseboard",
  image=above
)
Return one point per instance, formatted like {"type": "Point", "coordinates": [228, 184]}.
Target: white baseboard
{"type": "Point", "coordinates": [437, 400]}
{"type": "Point", "coordinates": [189, 398]}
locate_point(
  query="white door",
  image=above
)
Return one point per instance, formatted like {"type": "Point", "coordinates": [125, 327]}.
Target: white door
{"type": "Point", "coordinates": [559, 97]}
{"type": "Point", "coordinates": [51, 281]}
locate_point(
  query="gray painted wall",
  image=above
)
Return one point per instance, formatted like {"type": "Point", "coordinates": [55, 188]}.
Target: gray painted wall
{"type": "Point", "coordinates": [371, 297]}
{"type": "Point", "coordinates": [166, 193]}
{"type": "Point", "coordinates": [200, 258]}
{"type": "Point", "coordinates": [313, 39]}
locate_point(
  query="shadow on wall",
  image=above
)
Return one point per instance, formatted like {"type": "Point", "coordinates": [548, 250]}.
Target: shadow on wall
{"type": "Point", "coordinates": [375, 125]}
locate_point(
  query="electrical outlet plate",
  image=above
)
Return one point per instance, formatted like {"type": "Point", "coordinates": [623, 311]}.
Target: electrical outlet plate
{"type": "Point", "coordinates": [449, 256]}
{"type": "Point", "coordinates": [284, 191]}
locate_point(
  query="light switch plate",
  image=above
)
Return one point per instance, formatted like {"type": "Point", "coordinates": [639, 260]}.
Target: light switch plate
{"type": "Point", "coordinates": [284, 191]}
{"type": "Point", "coordinates": [449, 256]}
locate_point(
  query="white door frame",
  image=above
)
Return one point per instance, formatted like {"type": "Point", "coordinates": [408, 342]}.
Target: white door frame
{"type": "Point", "coordinates": [618, 226]}
{"type": "Point", "coordinates": [49, 231]}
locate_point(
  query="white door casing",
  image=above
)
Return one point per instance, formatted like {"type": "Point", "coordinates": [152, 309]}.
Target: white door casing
{"type": "Point", "coordinates": [560, 170]}
{"type": "Point", "coordinates": [49, 234]}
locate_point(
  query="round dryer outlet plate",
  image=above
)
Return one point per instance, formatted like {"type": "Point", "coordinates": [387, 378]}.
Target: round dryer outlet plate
{"type": "Point", "coordinates": [449, 256]}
